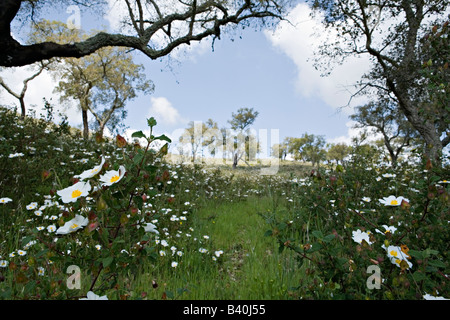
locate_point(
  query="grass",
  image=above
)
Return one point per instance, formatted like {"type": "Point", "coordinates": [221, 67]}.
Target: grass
{"type": "Point", "coordinates": [251, 266]}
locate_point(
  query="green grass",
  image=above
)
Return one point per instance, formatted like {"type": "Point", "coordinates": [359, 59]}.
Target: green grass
{"type": "Point", "coordinates": [250, 268]}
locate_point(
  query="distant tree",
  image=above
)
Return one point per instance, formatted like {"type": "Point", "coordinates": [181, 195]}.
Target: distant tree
{"type": "Point", "coordinates": [308, 147]}
{"type": "Point", "coordinates": [102, 82]}
{"type": "Point", "coordinates": [212, 137]}
{"type": "Point", "coordinates": [338, 152]}
{"type": "Point", "coordinates": [193, 136]}
{"type": "Point", "coordinates": [244, 142]}
{"type": "Point", "coordinates": [384, 117]}
{"type": "Point", "coordinates": [295, 146]}
{"type": "Point", "coordinates": [314, 148]}
{"type": "Point", "coordinates": [280, 149]}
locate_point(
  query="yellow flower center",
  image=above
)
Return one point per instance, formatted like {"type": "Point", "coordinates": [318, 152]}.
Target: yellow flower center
{"type": "Point", "coordinates": [74, 226]}
{"type": "Point", "coordinates": [393, 253]}
{"type": "Point", "coordinates": [76, 194]}
{"type": "Point", "coordinates": [114, 179]}
{"type": "Point", "coordinates": [398, 261]}
{"type": "Point", "coordinates": [394, 202]}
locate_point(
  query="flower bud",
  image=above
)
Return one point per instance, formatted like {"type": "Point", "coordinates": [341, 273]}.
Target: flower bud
{"type": "Point", "coordinates": [120, 141]}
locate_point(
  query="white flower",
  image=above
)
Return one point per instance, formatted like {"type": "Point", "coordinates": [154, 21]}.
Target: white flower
{"type": "Point", "coordinates": [218, 253]}
{"type": "Point", "coordinates": [41, 271]}
{"type": "Point", "coordinates": [389, 175]}
{"type": "Point", "coordinates": [387, 229]}
{"type": "Point", "coordinates": [174, 264]}
{"type": "Point", "coordinates": [98, 247]}
{"type": "Point", "coordinates": [430, 297]}
{"type": "Point", "coordinates": [164, 243]}
{"type": "Point", "coordinates": [162, 253]}
{"type": "Point", "coordinates": [21, 252]}
{"type": "Point", "coordinates": [32, 206]}
{"type": "Point", "coordinates": [73, 225]}
{"type": "Point", "coordinates": [150, 227]}
{"type": "Point", "coordinates": [3, 263]}
{"type": "Point", "coordinates": [397, 256]}
{"type": "Point", "coordinates": [40, 228]}
{"type": "Point", "coordinates": [72, 193]}
{"type": "Point", "coordinates": [91, 172]}
{"type": "Point", "coordinates": [14, 155]}
{"type": "Point", "coordinates": [366, 199]}
{"type": "Point", "coordinates": [392, 201]}
{"type": "Point", "coordinates": [359, 236]}
{"type": "Point", "coordinates": [51, 228]}
{"type": "Point", "coordinates": [5, 200]}
{"type": "Point", "coordinates": [112, 176]}
{"type": "Point", "coordinates": [93, 296]}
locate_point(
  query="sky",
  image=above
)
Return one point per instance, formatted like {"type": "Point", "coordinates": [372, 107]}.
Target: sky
{"type": "Point", "coordinates": [267, 70]}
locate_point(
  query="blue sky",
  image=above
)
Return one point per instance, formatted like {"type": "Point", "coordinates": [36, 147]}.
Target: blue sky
{"type": "Point", "coordinates": [265, 70]}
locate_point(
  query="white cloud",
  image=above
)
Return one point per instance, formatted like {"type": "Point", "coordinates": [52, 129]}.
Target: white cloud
{"type": "Point", "coordinates": [38, 88]}
{"type": "Point", "coordinates": [299, 41]}
{"type": "Point", "coordinates": [163, 111]}
{"type": "Point", "coordinates": [353, 132]}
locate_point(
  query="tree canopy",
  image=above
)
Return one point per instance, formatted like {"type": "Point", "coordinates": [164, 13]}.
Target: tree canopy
{"type": "Point", "coordinates": [154, 27]}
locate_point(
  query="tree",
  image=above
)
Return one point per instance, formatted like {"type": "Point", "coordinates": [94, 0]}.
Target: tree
{"type": "Point", "coordinates": [102, 82]}
{"type": "Point", "coordinates": [154, 27]}
{"type": "Point", "coordinates": [338, 152]}
{"type": "Point", "coordinates": [193, 136]}
{"type": "Point", "coordinates": [244, 142]}
{"type": "Point", "coordinates": [121, 80]}
{"type": "Point", "coordinates": [37, 69]}
{"type": "Point", "coordinates": [280, 150]}
{"type": "Point", "coordinates": [313, 148]}
{"type": "Point", "coordinates": [294, 147]}
{"type": "Point", "coordinates": [385, 118]}
{"type": "Point", "coordinates": [390, 31]}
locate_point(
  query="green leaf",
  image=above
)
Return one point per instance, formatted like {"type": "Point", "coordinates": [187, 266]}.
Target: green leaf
{"type": "Point", "coordinates": [282, 226]}
{"type": "Point", "coordinates": [170, 294]}
{"type": "Point", "coordinates": [317, 234]}
{"type": "Point", "coordinates": [163, 137]}
{"type": "Point", "coordinates": [437, 263]}
{"type": "Point", "coordinates": [416, 254]}
{"type": "Point", "coordinates": [151, 122]}
{"type": "Point", "coordinates": [268, 233]}
{"type": "Point", "coordinates": [139, 202]}
{"type": "Point", "coordinates": [329, 238]}
{"type": "Point", "coordinates": [138, 134]}
{"type": "Point", "coordinates": [137, 158]}
{"type": "Point", "coordinates": [107, 261]}
{"type": "Point", "coordinates": [315, 247]}
{"type": "Point", "coordinates": [419, 276]}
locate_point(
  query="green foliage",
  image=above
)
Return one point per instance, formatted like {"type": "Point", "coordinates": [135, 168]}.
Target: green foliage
{"type": "Point", "coordinates": [334, 206]}
{"type": "Point", "coordinates": [295, 235]}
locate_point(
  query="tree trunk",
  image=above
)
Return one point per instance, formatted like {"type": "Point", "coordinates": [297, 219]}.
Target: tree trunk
{"type": "Point", "coordinates": [22, 107]}
{"type": "Point", "coordinates": [235, 160]}
{"type": "Point", "coordinates": [85, 124]}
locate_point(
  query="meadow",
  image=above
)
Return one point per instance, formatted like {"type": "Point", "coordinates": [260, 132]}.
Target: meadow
{"type": "Point", "coordinates": [110, 219]}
